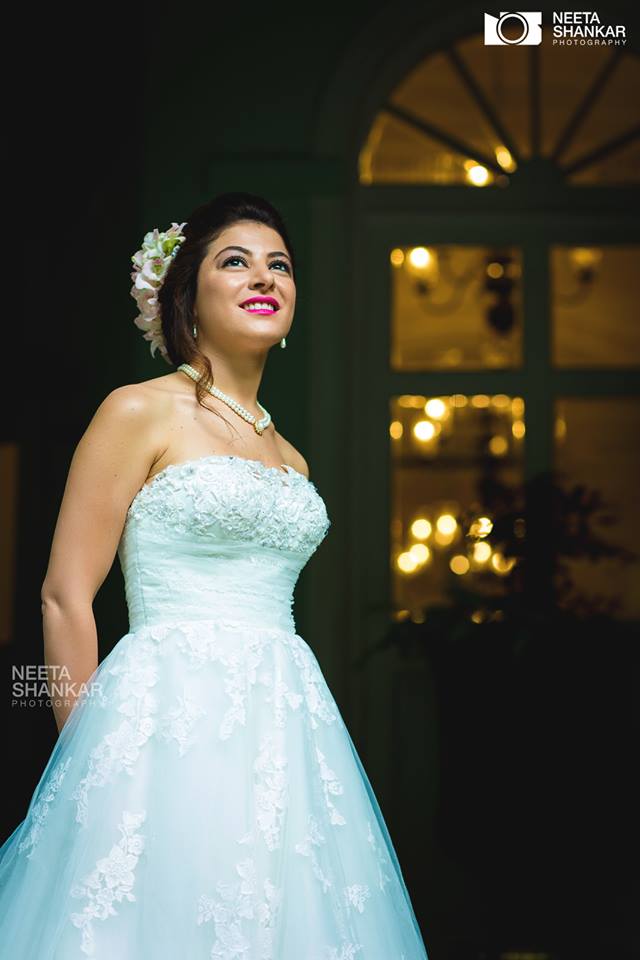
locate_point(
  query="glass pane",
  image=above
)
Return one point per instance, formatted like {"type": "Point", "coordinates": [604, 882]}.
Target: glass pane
{"type": "Point", "coordinates": [455, 307]}
{"type": "Point", "coordinates": [435, 93]}
{"type": "Point", "coordinates": [397, 152]}
{"type": "Point", "coordinates": [502, 73]}
{"type": "Point", "coordinates": [456, 461]}
{"type": "Point", "coordinates": [621, 166]}
{"type": "Point", "coordinates": [613, 113]}
{"type": "Point", "coordinates": [566, 73]}
{"type": "Point", "coordinates": [594, 295]}
{"type": "Point", "coordinates": [596, 445]}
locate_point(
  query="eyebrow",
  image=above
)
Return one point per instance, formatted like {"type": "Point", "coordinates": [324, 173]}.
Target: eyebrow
{"type": "Point", "coordinates": [274, 253]}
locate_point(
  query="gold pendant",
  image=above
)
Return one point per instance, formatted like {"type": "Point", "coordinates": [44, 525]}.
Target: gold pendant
{"type": "Point", "coordinates": [258, 429]}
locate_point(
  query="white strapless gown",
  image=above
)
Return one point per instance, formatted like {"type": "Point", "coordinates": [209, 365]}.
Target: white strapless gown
{"type": "Point", "coordinates": [204, 798]}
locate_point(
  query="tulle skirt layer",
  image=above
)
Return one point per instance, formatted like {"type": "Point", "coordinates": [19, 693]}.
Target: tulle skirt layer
{"type": "Point", "coordinates": [205, 800]}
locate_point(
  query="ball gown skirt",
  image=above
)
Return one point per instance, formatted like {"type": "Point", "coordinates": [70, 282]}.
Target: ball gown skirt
{"type": "Point", "coordinates": [204, 798]}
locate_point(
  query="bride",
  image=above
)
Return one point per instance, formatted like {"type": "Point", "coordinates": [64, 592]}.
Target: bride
{"type": "Point", "coordinates": [204, 798]}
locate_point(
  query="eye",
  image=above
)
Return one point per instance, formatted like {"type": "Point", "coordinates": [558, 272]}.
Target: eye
{"type": "Point", "coordinates": [282, 263]}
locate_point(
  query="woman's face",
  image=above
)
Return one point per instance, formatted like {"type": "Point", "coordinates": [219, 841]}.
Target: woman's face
{"type": "Point", "coordinates": [248, 261]}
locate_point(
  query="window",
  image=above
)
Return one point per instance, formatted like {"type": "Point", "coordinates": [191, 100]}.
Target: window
{"type": "Point", "coordinates": [476, 115]}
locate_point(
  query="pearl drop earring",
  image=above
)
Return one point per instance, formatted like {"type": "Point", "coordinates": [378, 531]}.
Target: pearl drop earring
{"type": "Point", "coordinates": [194, 331]}
{"type": "Point", "coordinates": [283, 343]}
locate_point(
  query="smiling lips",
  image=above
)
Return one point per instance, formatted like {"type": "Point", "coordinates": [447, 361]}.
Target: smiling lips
{"type": "Point", "coordinates": [261, 305]}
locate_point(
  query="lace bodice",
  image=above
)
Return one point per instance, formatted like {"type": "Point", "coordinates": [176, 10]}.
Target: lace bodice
{"type": "Point", "coordinates": [219, 536]}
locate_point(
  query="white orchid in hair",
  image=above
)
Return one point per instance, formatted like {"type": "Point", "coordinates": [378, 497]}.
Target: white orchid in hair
{"type": "Point", "coordinates": [151, 263]}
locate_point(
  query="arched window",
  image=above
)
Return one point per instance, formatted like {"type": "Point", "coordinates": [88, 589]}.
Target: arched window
{"type": "Point", "coordinates": [478, 115]}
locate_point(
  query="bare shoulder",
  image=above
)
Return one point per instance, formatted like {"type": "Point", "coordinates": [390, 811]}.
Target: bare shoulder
{"type": "Point", "coordinates": [292, 456]}
{"type": "Point", "coordinates": [133, 415]}
{"type": "Point", "coordinates": [134, 403]}
{"type": "Point", "coordinates": [147, 401]}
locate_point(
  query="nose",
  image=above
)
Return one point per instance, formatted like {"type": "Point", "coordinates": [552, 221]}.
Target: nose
{"type": "Point", "coordinates": [261, 276]}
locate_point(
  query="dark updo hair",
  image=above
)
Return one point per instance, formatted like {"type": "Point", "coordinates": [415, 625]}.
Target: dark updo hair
{"type": "Point", "coordinates": [177, 295]}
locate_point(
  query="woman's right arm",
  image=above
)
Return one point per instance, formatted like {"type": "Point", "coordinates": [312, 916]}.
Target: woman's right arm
{"type": "Point", "coordinates": [111, 462]}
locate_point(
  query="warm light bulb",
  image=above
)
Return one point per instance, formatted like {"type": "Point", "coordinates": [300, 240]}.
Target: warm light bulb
{"type": "Point", "coordinates": [498, 446]}
{"type": "Point", "coordinates": [459, 564]}
{"type": "Point", "coordinates": [406, 563]}
{"type": "Point", "coordinates": [478, 175]}
{"type": "Point", "coordinates": [481, 551]}
{"type": "Point", "coordinates": [421, 528]}
{"type": "Point", "coordinates": [436, 408]}
{"type": "Point", "coordinates": [585, 257]}
{"type": "Point", "coordinates": [481, 527]}
{"type": "Point", "coordinates": [500, 563]}
{"type": "Point", "coordinates": [505, 159]}
{"type": "Point", "coordinates": [419, 257]}
{"type": "Point", "coordinates": [424, 430]}
{"type": "Point", "coordinates": [420, 552]}
{"type": "Point", "coordinates": [446, 524]}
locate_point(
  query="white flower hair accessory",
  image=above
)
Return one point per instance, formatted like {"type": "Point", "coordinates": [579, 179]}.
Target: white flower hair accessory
{"type": "Point", "coordinates": [151, 263]}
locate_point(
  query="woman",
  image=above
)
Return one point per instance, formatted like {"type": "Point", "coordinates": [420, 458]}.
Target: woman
{"type": "Point", "coordinates": [204, 797]}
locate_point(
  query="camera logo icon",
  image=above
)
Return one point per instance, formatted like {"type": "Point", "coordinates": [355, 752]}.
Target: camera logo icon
{"type": "Point", "coordinates": [513, 28]}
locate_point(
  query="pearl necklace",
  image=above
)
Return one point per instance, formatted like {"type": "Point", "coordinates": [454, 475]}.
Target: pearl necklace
{"type": "Point", "coordinates": [258, 425]}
